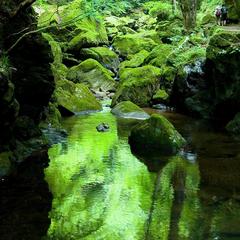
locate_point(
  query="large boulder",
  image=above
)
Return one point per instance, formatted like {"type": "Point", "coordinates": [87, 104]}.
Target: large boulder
{"type": "Point", "coordinates": [127, 109]}
{"type": "Point", "coordinates": [132, 43]}
{"type": "Point", "coordinates": [223, 74]}
{"type": "Point", "coordinates": [136, 60]}
{"type": "Point", "coordinates": [137, 85]}
{"type": "Point", "coordinates": [92, 73]}
{"type": "Point", "coordinates": [74, 98]}
{"type": "Point", "coordinates": [103, 55]}
{"type": "Point", "coordinates": [156, 134]}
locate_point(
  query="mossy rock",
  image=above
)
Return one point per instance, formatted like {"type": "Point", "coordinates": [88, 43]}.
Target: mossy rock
{"type": "Point", "coordinates": [208, 19]}
{"type": "Point", "coordinates": [161, 96]}
{"type": "Point", "coordinates": [127, 109]}
{"type": "Point", "coordinates": [103, 55]}
{"type": "Point", "coordinates": [136, 60]}
{"type": "Point", "coordinates": [5, 163]}
{"type": "Point", "coordinates": [234, 125]}
{"type": "Point", "coordinates": [132, 43]}
{"type": "Point", "coordinates": [159, 55]}
{"type": "Point", "coordinates": [74, 98]}
{"type": "Point", "coordinates": [93, 74]}
{"type": "Point", "coordinates": [91, 32]}
{"type": "Point", "coordinates": [137, 85]}
{"type": "Point", "coordinates": [156, 134]}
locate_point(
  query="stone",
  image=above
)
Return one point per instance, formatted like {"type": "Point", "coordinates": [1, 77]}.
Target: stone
{"type": "Point", "coordinates": [132, 43]}
{"type": "Point", "coordinates": [127, 109]}
{"type": "Point", "coordinates": [137, 85]}
{"type": "Point", "coordinates": [103, 127]}
{"type": "Point", "coordinates": [156, 134]}
{"type": "Point", "coordinates": [74, 98]}
{"type": "Point", "coordinates": [93, 74]}
{"type": "Point", "coordinates": [103, 55]}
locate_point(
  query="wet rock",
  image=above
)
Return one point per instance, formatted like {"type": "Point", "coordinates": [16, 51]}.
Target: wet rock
{"type": "Point", "coordinates": [93, 74]}
{"type": "Point", "coordinates": [127, 109]}
{"type": "Point", "coordinates": [103, 55]}
{"type": "Point", "coordinates": [103, 127]}
{"type": "Point", "coordinates": [156, 134]}
{"type": "Point", "coordinates": [137, 85]}
{"type": "Point", "coordinates": [74, 98]}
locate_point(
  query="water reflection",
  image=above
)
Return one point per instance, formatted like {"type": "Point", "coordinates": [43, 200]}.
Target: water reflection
{"type": "Point", "coordinates": [102, 191]}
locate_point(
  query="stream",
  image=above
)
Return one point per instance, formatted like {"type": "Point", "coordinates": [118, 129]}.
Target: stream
{"type": "Point", "coordinates": [102, 191]}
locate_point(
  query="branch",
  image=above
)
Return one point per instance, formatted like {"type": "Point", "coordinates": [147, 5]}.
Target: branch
{"type": "Point", "coordinates": [22, 5]}
{"type": "Point", "coordinates": [44, 28]}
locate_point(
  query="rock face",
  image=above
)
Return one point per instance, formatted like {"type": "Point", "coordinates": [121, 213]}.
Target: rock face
{"type": "Point", "coordinates": [26, 83]}
{"type": "Point", "coordinates": [223, 74]}
{"type": "Point", "coordinates": [127, 109]}
{"type": "Point", "coordinates": [74, 98]}
{"type": "Point", "coordinates": [137, 85]}
{"type": "Point", "coordinates": [156, 134]}
{"type": "Point", "coordinates": [93, 74]}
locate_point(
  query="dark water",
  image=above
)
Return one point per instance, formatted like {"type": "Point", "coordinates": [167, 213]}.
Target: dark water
{"type": "Point", "coordinates": [102, 191]}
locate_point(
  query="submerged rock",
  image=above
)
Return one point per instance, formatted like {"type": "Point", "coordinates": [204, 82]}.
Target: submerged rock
{"type": "Point", "coordinates": [127, 109]}
{"type": "Point", "coordinates": [138, 85]}
{"type": "Point", "coordinates": [92, 73]}
{"type": "Point", "coordinates": [74, 98]}
{"type": "Point", "coordinates": [156, 134]}
{"type": "Point", "coordinates": [103, 127]}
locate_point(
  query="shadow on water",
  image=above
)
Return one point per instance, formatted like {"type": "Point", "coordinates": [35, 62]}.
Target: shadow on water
{"type": "Point", "coordinates": [102, 191]}
{"type": "Point", "coordinates": [25, 201]}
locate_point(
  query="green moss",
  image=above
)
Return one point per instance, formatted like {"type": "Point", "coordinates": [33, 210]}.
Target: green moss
{"type": "Point", "coordinates": [92, 73]}
{"type": "Point", "coordinates": [75, 97]}
{"type": "Point", "coordinates": [161, 95]}
{"type": "Point", "coordinates": [91, 33]}
{"type": "Point", "coordinates": [128, 109]}
{"type": "Point", "coordinates": [161, 10]}
{"type": "Point", "coordinates": [156, 133]}
{"type": "Point", "coordinates": [5, 163]}
{"type": "Point", "coordinates": [132, 44]}
{"type": "Point", "coordinates": [136, 60]}
{"type": "Point", "coordinates": [103, 55]}
{"type": "Point", "coordinates": [137, 85]}
{"type": "Point", "coordinates": [159, 55]}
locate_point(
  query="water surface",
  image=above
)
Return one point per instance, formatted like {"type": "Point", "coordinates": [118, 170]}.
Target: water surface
{"type": "Point", "coordinates": [102, 191]}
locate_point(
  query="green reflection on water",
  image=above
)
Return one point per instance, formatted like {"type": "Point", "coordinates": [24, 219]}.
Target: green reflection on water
{"type": "Point", "coordinates": [101, 191]}
{"type": "Point", "coordinates": [160, 225]}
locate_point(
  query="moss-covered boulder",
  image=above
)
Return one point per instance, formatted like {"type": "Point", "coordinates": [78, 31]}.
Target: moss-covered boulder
{"type": "Point", "coordinates": [159, 55]}
{"type": "Point", "coordinates": [90, 32]}
{"type": "Point", "coordinates": [103, 55]}
{"type": "Point", "coordinates": [132, 44]}
{"type": "Point", "coordinates": [93, 74]}
{"type": "Point", "coordinates": [160, 96]}
{"type": "Point", "coordinates": [137, 85]}
{"type": "Point", "coordinates": [74, 98]}
{"type": "Point", "coordinates": [127, 109]}
{"type": "Point", "coordinates": [234, 125]}
{"type": "Point", "coordinates": [223, 73]}
{"type": "Point", "coordinates": [136, 60]}
{"type": "Point", "coordinates": [156, 134]}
